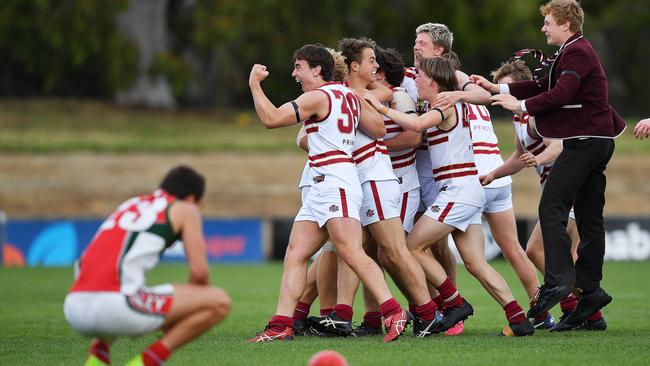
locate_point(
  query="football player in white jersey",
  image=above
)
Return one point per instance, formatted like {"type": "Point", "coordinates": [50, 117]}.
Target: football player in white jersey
{"type": "Point", "coordinates": [531, 150]}
{"type": "Point", "coordinates": [380, 215]}
{"type": "Point", "coordinates": [460, 197]}
{"type": "Point", "coordinates": [332, 113]}
{"type": "Point", "coordinates": [436, 40]}
{"type": "Point", "coordinates": [109, 297]}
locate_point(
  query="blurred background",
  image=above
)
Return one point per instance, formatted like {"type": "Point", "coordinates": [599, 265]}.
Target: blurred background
{"type": "Point", "coordinates": [99, 98]}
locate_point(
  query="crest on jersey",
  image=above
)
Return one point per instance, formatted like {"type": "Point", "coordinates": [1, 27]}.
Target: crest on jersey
{"type": "Point", "coordinates": [435, 209]}
{"type": "Point", "coordinates": [334, 208]}
{"type": "Point", "coordinates": [370, 213]}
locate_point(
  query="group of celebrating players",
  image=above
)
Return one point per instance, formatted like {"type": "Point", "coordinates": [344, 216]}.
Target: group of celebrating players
{"type": "Point", "coordinates": [399, 158]}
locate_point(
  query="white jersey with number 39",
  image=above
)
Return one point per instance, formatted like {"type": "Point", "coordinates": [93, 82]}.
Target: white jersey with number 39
{"type": "Point", "coordinates": [331, 141]}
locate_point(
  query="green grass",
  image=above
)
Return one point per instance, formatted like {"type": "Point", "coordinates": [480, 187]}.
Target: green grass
{"type": "Point", "coordinates": [53, 125]}
{"type": "Point", "coordinates": [34, 331]}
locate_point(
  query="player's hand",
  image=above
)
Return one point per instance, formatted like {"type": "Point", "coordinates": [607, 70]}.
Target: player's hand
{"type": "Point", "coordinates": [484, 83]}
{"type": "Point", "coordinates": [642, 129]}
{"type": "Point", "coordinates": [446, 100]}
{"type": "Point", "coordinates": [528, 159]}
{"type": "Point", "coordinates": [374, 102]}
{"type": "Point", "coordinates": [486, 179]}
{"type": "Point", "coordinates": [258, 73]}
{"type": "Point", "coordinates": [506, 101]}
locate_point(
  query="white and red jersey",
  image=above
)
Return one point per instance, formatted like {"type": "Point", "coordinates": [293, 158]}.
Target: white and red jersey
{"type": "Point", "coordinates": [332, 139]}
{"type": "Point", "coordinates": [534, 145]}
{"type": "Point", "coordinates": [371, 157]}
{"type": "Point", "coordinates": [408, 83]}
{"type": "Point", "coordinates": [127, 245]}
{"type": "Point", "coordinates": [305, 180]}
{"type": "Point", "coordinates": [452, 160]}
{"type": "Point", "coordinates": [403, 161]}
{"type": "Point", "coordinates": [486, 146]}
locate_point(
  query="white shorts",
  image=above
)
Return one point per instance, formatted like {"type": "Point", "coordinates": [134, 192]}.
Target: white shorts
{"type": "Point", "coordinates": [409, 204]}
{"type": "Point", "coordinates": [116, 314]}
{"type": "Point", "coordinates": [320, 206]}
{"type": "Point", "coordinates": [381, 201]}
{"type": "Point", "coordinates": [498, 199]}
{"type": "Point", "coordinates": [458, 215]}
{"type": "Point", "coordinates": [428, 193]}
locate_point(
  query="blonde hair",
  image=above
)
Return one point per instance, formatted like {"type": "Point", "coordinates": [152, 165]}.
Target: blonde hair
{"type": "Point", "coordinates": [439, 33]}
{"type": "Point", "coordinates": [340, 71]}
{"type": "Point", "coordinates": [517, 70]}
{"type": "Point", "coordinates": [565, 11]}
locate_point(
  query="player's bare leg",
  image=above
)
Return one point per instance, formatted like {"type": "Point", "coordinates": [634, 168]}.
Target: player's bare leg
{"type": "Point", "coordinates": [471, 247]}
{"type": "Point", "coordinates": [308, 297]}
{"type": "Point", "coordinates": [326, 280]}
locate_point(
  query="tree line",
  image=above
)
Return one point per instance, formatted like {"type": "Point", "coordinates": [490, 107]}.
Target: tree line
{"type": "Point", "coordinates": [204, 49]}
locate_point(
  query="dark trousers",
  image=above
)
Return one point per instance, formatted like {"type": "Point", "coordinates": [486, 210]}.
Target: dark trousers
{"type": "Point", "coordinates": [577, 178]}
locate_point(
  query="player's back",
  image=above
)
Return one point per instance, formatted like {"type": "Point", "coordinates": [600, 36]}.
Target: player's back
{"type": "Point", "coordinates": [127, 245]}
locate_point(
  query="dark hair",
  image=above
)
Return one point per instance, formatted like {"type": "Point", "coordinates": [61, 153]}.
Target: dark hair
{"type": "Point", "coordinates": [316, 55]}
{"type": "Point", "coordinates": [183, 181]}
{"type": "Point", "coordinates": [391, 63]}
{"type": "Point", "coordinates": [442, 71]}
{"type": "Point", "coordinates": [352, 49]}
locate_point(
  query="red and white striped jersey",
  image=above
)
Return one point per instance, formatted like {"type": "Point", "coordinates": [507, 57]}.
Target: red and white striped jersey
{"type": "Point", "coordinates": [486, 146]}
{"type": "Point", "coordinates": [408, 83]}
{"type": "Point", "coordinates": [127, 245]}
{"type": "Point", "coordinates": [371, 157]}
{"type": "Point", "coordinates": [534, 145]}
{"type": "Point", "coordinates": [422, 160]}
{"type": "Point", "coordinates": [452, 160]}
{"type": "Point", "coordinates": [403, 161]}
{"type": "Point", "coordinates": [332, 139]}
{"type": "Point", "coordinates": [305, 181]}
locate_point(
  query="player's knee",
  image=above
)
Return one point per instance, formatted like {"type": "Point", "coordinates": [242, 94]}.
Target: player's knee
{"type": "Point", "coordinates": [220, 303]}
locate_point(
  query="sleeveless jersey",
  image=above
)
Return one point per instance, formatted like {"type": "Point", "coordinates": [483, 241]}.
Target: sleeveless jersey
{"type": "Point", "coordinates": [332, 139]}
{"type": "Point", "coordinates": [452, 160]}
{"type": "Point", "coordinates": [371, 157]}
{"type": "Point", "coordinates": [403, 161]}
{"type": "Point", "coordinates": [127, 245]}
{"type": "Point", "coordinates": [486, 146]}
{"type": "Point", "coordinates": [534, 145]}
{"type": "Point", "coordinates": [305, 181]}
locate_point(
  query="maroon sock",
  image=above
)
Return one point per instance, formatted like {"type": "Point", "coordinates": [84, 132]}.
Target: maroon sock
{"type": "Point", "coordinates": [568, 303]}
{"type": "Point", "coordinates": [302, 310]}
{"type": "Point", "coordinates": [156, 354]}
{"type": "Point", "coordinates": [372, 318]}
{"type": "Point", "coordinates": [595, 316]}
{"type": "Point", "coordinates": [413, 309]}
{"type": "Point", "coordinates": [542, 316]}
{"type": "Point", "coordinates": [390, 307]}
{"type": "Point", "coordinates": [440, 302]}
{"type": "Point", "coordinates": [343, 311]}
{"type": "Point", "coordinates": [278, 323]}
{"type": "Point", "coordinates": [450, 294]}
{"type": "Point", "coordinates": [427, 311]}
{"type": "Point", "coordinates": [514, 313]}
{"type": "Point", "coordinates": [100, 349]}
{"type": "Point", "coordinates": [326, 311]}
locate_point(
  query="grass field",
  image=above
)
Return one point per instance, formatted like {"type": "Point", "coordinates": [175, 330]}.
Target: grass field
{"type": "Point", "coordinates": [52, 125]}
{"type": "Point", "coordinates": [34, 332]}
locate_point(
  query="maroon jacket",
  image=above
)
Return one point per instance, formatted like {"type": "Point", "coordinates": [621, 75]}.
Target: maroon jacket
{"type": "Point", "coordinates": [571, 101]}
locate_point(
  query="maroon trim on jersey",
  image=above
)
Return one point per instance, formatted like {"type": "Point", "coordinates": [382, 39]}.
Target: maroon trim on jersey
{"type": "Point", "coordinates": [402, 211]}
{"type": "Point", "coordinates": [375, 197]}
{"type": "Point", "coordinates": [333, 83]}
{"type": "Point", "coordinates": [455, 175]}
{"type": "Point", "coordinates": [436, 133]}
{"type": "Point", "coordinates": [445, 212]}
{"type": "Point", "coordinates": [410, 72]}
{"type": "Point", "coordinates": [400, 157]}
{"type": "Point", "coordinates": [343, 158]}
{"type": "Point", "coordinates": [344, 202]}
{"type": "Point", "coordinates": [394, 129]}
{"type": "Point", "coordinates": [311, 129]}
{"type": "Point", "coordinates": [326, 154]}
{"type": "Point", "coordinates": [364, 148]}
{"type": "Point", "coordinates": [309, 122]}
{"type": "Point", "coordinates": [404, 164]}
{"type": "Point", "coordinates": [486, 152]}
{"type": "Point", "coordinates": [438, 141]}
{"type": "Point", "coordinates": [330, 162]}
{"type": "Point", "coordinates": [485, 144]}
{"type": "Point", "coordinates": [491, 148]}
{"type": "Point", "coordinates": [329, 107]}
{"type": "Point", "coordinates": [453, 166]}
{"type": "Point", "coordinates": [378, 146]}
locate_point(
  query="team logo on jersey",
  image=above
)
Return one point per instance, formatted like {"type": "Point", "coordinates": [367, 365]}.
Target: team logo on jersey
{"type": "Point", "coordinates": [443, 189]}
{"type": "Point", "coordinates": [370, 213]}
{"type": "Point", "coordinates": [435, 209]}
{"type": "Point", "coordinates": [334, 208]}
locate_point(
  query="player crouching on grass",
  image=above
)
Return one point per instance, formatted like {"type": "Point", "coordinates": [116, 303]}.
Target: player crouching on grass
{"type": "Point", "coordinates": [331, 112]}
{"type": "Point", "coordinates": [109, 297]}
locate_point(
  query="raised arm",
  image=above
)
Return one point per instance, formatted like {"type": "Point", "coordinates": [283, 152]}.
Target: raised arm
{"type": "Point", "coordinates": [307, 105]}
{"type": "Point", "coordinates": [467, 92]}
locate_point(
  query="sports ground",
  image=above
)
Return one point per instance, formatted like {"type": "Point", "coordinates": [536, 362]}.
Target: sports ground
{"type": "Point", "coordinates": [34, 331]}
